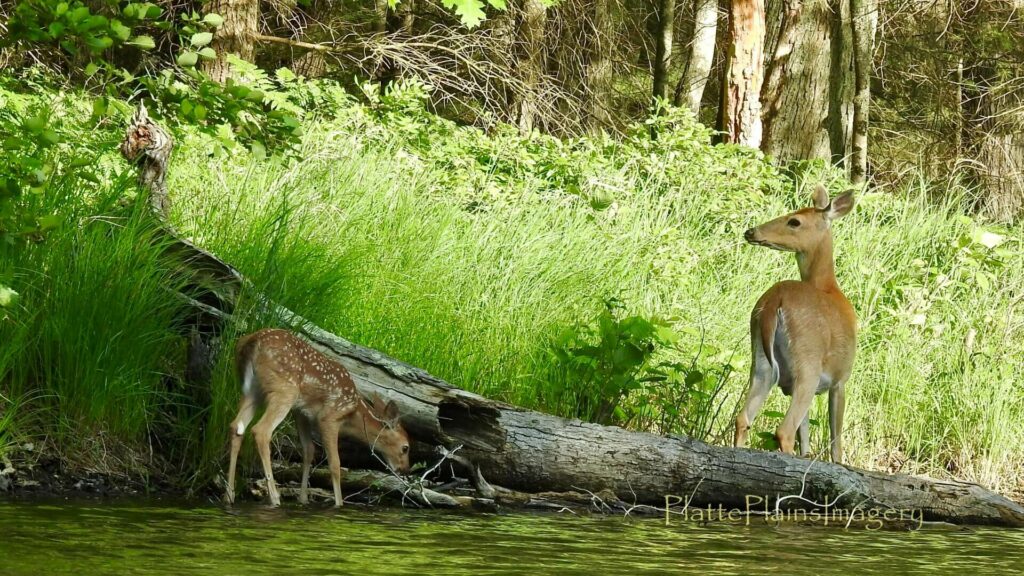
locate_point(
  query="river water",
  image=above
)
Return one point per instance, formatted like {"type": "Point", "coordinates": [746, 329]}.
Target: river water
{"type": "Point", "coordinates": [154, 537]}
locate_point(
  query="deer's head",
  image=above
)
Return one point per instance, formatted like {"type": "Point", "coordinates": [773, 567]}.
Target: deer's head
{"type": "Point", "coordinates": [806, 229]}
{"type": "Point", "coordinates": [392, 442]}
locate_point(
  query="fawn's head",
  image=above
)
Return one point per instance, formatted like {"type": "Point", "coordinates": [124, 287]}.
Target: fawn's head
{"type": "Point", "coordinates": [392, 442]}
{"type": "Point", "coordinates": [806, 229]}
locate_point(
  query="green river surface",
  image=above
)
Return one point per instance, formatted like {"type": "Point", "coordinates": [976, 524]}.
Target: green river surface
{"type": "Point", "coordinates": [168, 537]}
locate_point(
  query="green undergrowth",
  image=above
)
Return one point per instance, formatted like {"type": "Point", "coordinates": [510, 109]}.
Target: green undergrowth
{"type": "Point", "coordinates": [558, 275]}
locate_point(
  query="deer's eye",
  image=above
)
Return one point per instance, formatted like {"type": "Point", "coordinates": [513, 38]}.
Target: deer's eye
{"type": "Point", "coordinates": [793, 223]}
{"type": "Point", "coordinates": [405, 449]}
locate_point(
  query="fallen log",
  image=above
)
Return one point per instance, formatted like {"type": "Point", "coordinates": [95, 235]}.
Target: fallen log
{"type": "Point", "coordinates": [534, 452]}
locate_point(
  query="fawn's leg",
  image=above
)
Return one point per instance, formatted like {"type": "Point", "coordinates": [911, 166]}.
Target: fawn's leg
{"type": "Point", "coordinates": [306, 439]}
{"type": "Point", "coordinates": [836, 406]}
{"type": "Point", "coordinates": [329, 438]}
{"type": "Point", "coordinates": [246, 409]}
{"type": "Point", "coordinates": [277, 408]}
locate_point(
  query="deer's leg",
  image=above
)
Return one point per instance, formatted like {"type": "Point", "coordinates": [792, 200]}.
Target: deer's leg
{"type": "Point", "coordinates": [246, 409]}
{"type": "Point", "coordinates": [836, 406]}
{"type": "Point", "coordinates": [805, 435]}
{"type": "Point", "coordinates": [277, 408]}
{"type": "Point", "coordinates": [329, 438]}
{"type": "Point", "coordinates": [306, 439]}
{"type": "Point", "coordinates": [762, 378]}
{"type": "Point", "coordinates": [804, 386]}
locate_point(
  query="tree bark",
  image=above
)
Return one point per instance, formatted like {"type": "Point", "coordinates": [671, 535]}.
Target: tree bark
{"type": "Point", "coordinates": [663, 46]}
{"type": "Point", "coordinates": [531, 40]}
{"type": "Point", "coordinates": [840, 90]}
{"type": "Point", "coordinates": [532, 452]}
{"type": "Point", "coordinates": [598, 75]}
{"type": "Point", "coordinates": [237, 35]}
{"type": "Point", "coordinates": [700, 57]}
{"type": "Point", "coordinates": [741, 96]}
{"type": "Point", "coordinates": [798, 84]}
{"type": "Point", "coordinates": [863, 16]}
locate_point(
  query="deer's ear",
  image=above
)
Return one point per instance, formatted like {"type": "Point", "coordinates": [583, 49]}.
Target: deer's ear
{"type": "Point", "coordinates": [820, 197]}
{"type": "Point", "coordinates": [840, 207]}
{"type": "Point", "coordinates": [391, 411]}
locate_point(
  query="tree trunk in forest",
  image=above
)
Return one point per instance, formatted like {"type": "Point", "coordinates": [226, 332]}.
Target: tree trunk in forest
{"type": "Point", "coordinates": [863, 16]}
{"type": "Point", "coordinates": [840, 90]}
{"type": "Point", "coordinates": [663, 46]}
{"type": "Point", "coordinates": [237, 35]}
{"type": "Point", "coordinates": [797, 85]}
{"type": "Point", "coordinates": [740, 111]}
{"type": "Point", "coordinates": [531, 40]}
{"type": "Point", "coordinates": [397, 21]}
{"type": "Point", "coordinates": [531, 451]}
{"type": "Point", "coordinates": [700, 56]}
{"type": "Point", "coordinates": [598, 76]}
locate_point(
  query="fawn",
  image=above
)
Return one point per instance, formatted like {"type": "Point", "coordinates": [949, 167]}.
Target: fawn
{"type": "Point", "coordinates": [802, 333]}
{"type": "Point", "coordinates": [284, 373]}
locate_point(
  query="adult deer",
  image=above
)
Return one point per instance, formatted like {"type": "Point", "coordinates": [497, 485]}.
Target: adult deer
{"type": "Point", "coordinates": [286, 374]}
{"type": "Point", "coordinates": [802, 333]}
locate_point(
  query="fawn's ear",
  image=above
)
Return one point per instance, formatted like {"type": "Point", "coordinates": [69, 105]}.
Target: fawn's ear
{"type": "Point", "coordinates": [391, 411]}
{"type": "Point", "coordinates": [840, 207]}
{"type": "Point", "coordinates": [820, 197]}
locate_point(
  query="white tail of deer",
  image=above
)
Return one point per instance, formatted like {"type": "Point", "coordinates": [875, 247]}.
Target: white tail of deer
{"type": "Point", "coordinates": [802, 333]}
{"type": "Point", "coordinates": [286, 374]}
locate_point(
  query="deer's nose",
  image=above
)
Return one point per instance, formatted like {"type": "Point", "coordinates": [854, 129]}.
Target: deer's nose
{"type": "Point", "coordinates": [749, 235]}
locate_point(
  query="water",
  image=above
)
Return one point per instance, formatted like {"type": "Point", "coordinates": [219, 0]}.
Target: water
{"type": "Point", "coordinates": [152, 537]}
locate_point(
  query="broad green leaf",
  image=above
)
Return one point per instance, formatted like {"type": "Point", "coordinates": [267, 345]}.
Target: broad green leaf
{"type": "Point", "coordinates": [213, 19]}
{"type": "Point", "coordinates": [208, 53]}
{"type": "Point", "coordinates": [143, 42]}
{"type": "Point", "coordinates": [119, 30]}
{"type": "Point", "coordinates": [8, 297]}
{"type": "Point", "coordinates": [188, 59]}
{"type": "Point", "coordinates": [61, 9]}
{"type": "Point", "coordinates": [201, 39]}
{"type": "Point", "coordinates": [471, 12]}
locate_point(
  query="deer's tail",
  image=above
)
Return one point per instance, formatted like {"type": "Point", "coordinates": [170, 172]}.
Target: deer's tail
{"type": "Point", "coordinates": [243, 363]}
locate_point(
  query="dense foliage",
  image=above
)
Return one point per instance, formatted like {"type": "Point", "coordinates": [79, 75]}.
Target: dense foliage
{"type": "Point", "coordinates": [593, 277]}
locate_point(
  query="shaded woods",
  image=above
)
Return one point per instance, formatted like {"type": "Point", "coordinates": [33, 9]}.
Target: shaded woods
{"type": "Point", "coordinates": [474, 188]}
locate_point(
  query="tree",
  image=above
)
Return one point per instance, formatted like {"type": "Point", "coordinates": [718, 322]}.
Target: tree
{"type": "Point", "coordinates": [531, 40]}
{"type": "Point", "coordinates": [598, 57]}
{"type": "Point", "coordinates": [864, 15]}
{"type": "Point", "coordinates": [740, 111]}
{"type": "Point", "coordinates": [700, 56]}
{"type": "Point", "coordinates": [237, 35]}
{"type": "Point", "coordinates": [666, 13]}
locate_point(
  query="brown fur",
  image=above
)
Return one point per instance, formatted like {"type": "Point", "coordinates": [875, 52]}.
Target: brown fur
{"type": "Point", "coordinates": [803, 333]}
{"type": "Point", "coordinates": [290, 375]}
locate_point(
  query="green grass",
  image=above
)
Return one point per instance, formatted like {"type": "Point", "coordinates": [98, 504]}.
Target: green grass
{"type": "Point", "coordinates": [371, 252]}
{"type": "Point", "coordinates": [408, 250]}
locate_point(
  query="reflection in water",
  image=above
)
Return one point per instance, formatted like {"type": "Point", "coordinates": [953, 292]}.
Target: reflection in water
{"type": "Point", "coordinates": [155, 538]}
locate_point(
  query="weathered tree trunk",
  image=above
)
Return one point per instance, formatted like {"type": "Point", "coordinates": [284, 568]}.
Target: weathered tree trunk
{"type": "Point", "coordinates": [531, 41]}
{"type": "Point", "coordinates": [598, 75]}
{"type": "Point", "coordinates": [663, 45]}
{"type": "Point", "coordinates": [397, 22]}
{"type": "Point", "coordinates": [237, 35]}
{"type": "Point", "coordinates": [741, 95]}
{"type": "Point", "coordinates": [531, 451]}
{"type": "Point", "coordinates": [700, 56]}
{"type": "Point", "coordinates": [863, 17]}
{"type": "Point", "coordinates": [795, 98]}
{"type": "Point", "coordinates": [840, 90]}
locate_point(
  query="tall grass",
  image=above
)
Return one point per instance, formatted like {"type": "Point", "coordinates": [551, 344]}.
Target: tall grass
{"type": "Point", "coordinates": [91, 350]}
{"type": "Point", "coordinates": [357, 241]}
{"type": "Point", "coordinates": [364, 238]}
